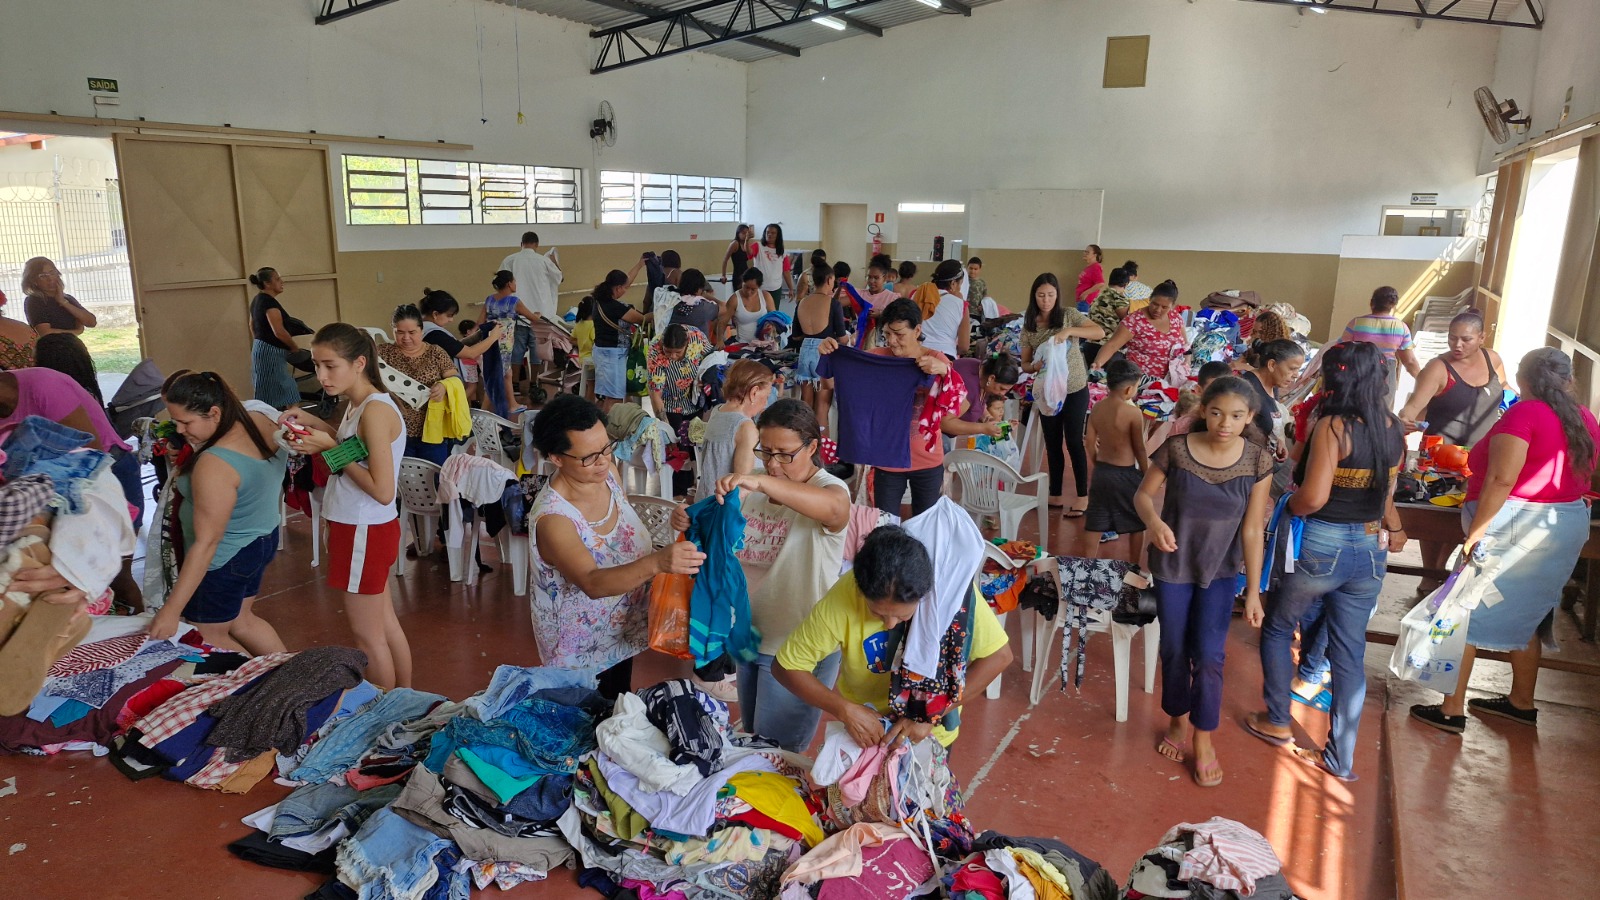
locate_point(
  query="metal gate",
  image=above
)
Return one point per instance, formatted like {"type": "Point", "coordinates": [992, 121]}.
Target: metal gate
{"type": "Point", "coordinates": [81, 230]}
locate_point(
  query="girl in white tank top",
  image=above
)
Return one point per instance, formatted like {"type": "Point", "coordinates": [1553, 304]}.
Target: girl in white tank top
{"type": "Point", "coordinates": [363, 524]}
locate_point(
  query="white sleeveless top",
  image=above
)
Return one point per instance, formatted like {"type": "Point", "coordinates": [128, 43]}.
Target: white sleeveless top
{"type": "Point", "coordinates": [347, 504]}
{"type": "Point", "coordinates": [745, 320]}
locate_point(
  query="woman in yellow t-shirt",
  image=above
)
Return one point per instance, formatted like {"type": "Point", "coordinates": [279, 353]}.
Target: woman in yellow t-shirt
{"type": "Point", "coordinates": [892, 573]}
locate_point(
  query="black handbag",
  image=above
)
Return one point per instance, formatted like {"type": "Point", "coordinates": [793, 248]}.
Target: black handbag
{"type": "Point", "coordinates": [1135, 606]}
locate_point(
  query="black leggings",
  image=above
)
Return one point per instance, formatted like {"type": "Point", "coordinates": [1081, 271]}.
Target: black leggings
{"type": "Point", "coordinates": [1068, 425]}
{"type": "Point", "coordinates": [888, 488]}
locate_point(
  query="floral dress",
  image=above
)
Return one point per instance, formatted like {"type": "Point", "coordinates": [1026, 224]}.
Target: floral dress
{"type": "Point", "coordinates": [678, 380]}
{"type": "Point", "coordinates": [574, 630]}
{"type": "Point", "coordinates": [14, 355]}
{"type": "Point", "coordinates": [1151, 350]}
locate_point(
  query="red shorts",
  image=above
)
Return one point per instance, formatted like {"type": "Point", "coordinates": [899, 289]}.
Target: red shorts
{"type": "Point", "coordinates": [361, 556]}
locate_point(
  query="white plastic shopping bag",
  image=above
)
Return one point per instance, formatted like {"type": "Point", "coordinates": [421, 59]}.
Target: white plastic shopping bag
{"type": "Point", "coordinates": [1433, 635]}
{"type": "Point", "coordinates": [1050, 387]}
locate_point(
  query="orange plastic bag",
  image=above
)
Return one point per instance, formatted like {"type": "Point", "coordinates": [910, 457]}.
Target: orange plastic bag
{"type": "Point", "coordinates": [669, 613]}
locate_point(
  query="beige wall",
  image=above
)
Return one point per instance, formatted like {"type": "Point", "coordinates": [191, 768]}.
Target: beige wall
{"type": "Point", "coordinates": [466, 273]}
{"type": "Point", "coordinates": [1414, 279]}
{"type": "Point", "coordinates": [1305, 280]}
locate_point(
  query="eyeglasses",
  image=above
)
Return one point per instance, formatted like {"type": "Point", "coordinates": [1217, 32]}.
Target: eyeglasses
{"type": "Point", "coordinates": [594, 459]}
{"type": "Point", "coordinates": [778, 456]}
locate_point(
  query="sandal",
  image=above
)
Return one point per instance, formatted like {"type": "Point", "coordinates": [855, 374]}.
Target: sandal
{"type": "Point", "coordinates": [1313, 757]}
{"type": "Point", "coordinates": [1502, 706]}
{"type": "Point", "coordinates": [1208, 776]}
{"type": "Point", "coordinates": [1074, 513]}
{"type": "Point", "coordinates": [1321, 701]}
{"type": "Point", "coordinates": [1434, 715]}
{"type": "Point", "coordinates": [1173, 751]}
{"type": "Point", "coordinates": [1255, 722]}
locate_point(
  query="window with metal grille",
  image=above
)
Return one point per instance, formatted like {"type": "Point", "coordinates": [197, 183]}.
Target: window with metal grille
{"type": "Point", "coordinates": [386, 190]}
{"type": "Point", "coordinates": [654, 197]}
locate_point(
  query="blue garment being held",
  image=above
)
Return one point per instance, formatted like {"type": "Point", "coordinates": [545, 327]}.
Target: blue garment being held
{"type": "Point", "coordinates": [719, 608]}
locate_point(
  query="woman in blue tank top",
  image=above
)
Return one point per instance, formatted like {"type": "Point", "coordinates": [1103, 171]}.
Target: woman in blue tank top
{"type": "Point", "coordinates": [230, 487]}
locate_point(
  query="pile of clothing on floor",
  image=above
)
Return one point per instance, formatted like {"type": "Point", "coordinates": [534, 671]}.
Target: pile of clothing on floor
{"type": "Point", "coordinates": [60, 506]}
{"type": "Point", "coordinates": [1218, 859]}
{"type": "Point", "coordinates": [231, 721]}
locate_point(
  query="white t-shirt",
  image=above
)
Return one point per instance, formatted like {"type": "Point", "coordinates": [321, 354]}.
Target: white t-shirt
{"type": "Point", "coordinates": [789, 562]}
{"type": "Point", "coordinates": [537, 277]}
{"type": "Point", "coordinates": [940, 330]}
{"type": "Point", "coordinates": [347, 504]}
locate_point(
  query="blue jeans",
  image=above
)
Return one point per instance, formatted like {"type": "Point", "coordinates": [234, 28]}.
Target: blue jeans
{"type": "Point", "coordinates": [434, 453]}
{"type": "Point", "coordinates": [342, 748]}
{"type": "Point", "coordinates": [1194, 639]}
{"type": "Point", "coordinates": [1342, 566]}
{"type": "Point", "coordinates": [1313, 644]}
{"type": "Point", "coordinates": [768, 709]}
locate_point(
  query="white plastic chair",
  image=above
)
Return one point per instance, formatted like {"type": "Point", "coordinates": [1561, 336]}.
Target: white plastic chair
{"type": "Point", "coordinates": [636, 477]}
{"type": "Point", "coordinates": [420, 511]}
{"type": "Point", "coordinates": [316, 526]}
{"type": "Point", "coordinates": [486, 437]}
{"type": "Point", "coordinates": [378, 334]}
{"type": "Point", "coordinates": [1033, 440]}
{"type": "Point", "coordinates": [991, 487]}
{"type": "Point", "coordinates": [1044, 634]}
{"type": "Point", "coordinates": [991, 308]}
{"type": "Point", "coordinates": [656, 514]}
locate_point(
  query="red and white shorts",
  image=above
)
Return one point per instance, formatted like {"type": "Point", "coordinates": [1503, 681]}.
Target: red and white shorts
{"type": "Point", "coordinates": [360, 557]}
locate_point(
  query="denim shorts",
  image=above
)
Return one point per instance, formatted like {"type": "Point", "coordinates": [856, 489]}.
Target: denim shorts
{"type": "Point", "coordinates": [222, 592]}
{"type": "Point", "coordinates": [522, 345]}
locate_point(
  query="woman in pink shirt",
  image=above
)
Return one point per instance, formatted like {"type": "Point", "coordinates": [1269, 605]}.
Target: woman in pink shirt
{"type": "Point", "coordinates": [1527, 521]}
{"type": "Point", "coordinates": [1092, 279]}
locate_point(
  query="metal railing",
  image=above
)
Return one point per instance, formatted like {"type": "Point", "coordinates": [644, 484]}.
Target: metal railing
{"type": "Point", "coordinates": [81, 231]}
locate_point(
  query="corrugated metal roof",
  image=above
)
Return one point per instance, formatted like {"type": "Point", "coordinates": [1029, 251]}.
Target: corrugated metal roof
{"type": "Point", "coordinates": [602, 14]}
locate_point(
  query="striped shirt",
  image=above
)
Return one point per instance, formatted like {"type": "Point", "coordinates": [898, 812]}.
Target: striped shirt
{"type": "Point", "coordinates": [1388, 332]}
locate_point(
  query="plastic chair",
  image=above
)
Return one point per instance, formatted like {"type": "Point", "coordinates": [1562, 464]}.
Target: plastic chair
{"type": "Point", "coordinates": [991, 487]}
{"type": "Point", "coordinates": [486, 437]}
{"type": "Point", "coordinates": [316, 526]}
{"type": "Point", "coordinates": [378, 334]}
{"type": "Point", "coordinates": [1121, 648]}
{"type": "Point", "coordinates": [1033, 440]}
{"type": "Point", "coordinates": [636, 477]}
{"type": "Point", "coordinates": [420, 512]}
{"type": "Point", "coordinates": [656, 514]}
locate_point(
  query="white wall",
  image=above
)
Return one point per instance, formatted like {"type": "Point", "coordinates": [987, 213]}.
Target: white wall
{"type": "Point", "coordinates": [410, 70]}
{"type": "Point", "coordinates": [1260, 131]}
{"type": "Point", "coordinates": [1536, 67]}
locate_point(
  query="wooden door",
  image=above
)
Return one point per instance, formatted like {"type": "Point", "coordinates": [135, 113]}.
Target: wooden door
{"type": "Point", "coordinates": [204, 214]}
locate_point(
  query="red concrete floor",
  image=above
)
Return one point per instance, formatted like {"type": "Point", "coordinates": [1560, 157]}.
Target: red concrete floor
{"type": "Point", "coordinates": [1064, 769]}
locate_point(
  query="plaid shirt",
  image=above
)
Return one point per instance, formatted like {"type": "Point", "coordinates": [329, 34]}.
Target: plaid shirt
{"type": "Point", "coordinates": [180, 712]}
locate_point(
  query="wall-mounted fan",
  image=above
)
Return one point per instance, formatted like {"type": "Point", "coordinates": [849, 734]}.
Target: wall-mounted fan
{"type": "Point", "coordinates": [1497, 115]}
{"type": "Point", "coordinates": [603, 129]}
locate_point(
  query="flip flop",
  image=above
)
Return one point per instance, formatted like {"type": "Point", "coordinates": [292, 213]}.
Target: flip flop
{"type": "Point", "coordinates": [1073, 513]}
{"type": "Point", "coordinates": [1313, 758]}
{"type": "Point", "coordinates": [1181, 749]}
{"type": "Point", "coordinates": [1249, 723]}
{"type": "Point", "coordinates": [1209, 780]}
{"type": "Point", "coordinates": [1321, 701]}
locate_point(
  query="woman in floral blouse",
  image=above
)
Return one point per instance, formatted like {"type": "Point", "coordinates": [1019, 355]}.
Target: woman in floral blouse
{"type": "Point", "coordinates": [1151, 337]}
{"type": "Point", "coordinates": [674, 365]}
{"type": "Point", "coordinates": [426, 364]}
{"type": "Point", "coordinates": [16, 341]}
{"type": "Point", "coordinates": [593, 557]}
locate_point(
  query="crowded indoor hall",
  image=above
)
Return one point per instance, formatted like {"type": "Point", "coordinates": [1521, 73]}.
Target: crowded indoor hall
{"type": "Point", "coordinates": [686, 449]}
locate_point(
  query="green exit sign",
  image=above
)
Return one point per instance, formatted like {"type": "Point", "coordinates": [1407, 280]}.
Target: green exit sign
{"type": "Point", "coordinates": [109, 85]}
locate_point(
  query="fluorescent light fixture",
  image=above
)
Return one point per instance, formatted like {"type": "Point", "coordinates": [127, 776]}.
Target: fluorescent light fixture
{"type": "Point", "coordinates": [932, 3]}
{"type": "Point", "coordinates": [829, 21]}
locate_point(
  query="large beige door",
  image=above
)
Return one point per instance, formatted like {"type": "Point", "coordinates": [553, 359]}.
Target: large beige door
{"type": "Point", "coordinates": [201, 216]}
{"type": "Point", "coordinates": [844, 236]}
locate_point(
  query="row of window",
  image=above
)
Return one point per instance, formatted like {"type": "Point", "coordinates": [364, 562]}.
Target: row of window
{"type": "Point", "coordinates": [392, 190]}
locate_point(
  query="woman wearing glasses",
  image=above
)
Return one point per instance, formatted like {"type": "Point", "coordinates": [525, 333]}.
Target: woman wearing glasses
{"type": "Point", "coordinates": [592, 554]}
{"type": "Point", "coordinates": [795, 520]}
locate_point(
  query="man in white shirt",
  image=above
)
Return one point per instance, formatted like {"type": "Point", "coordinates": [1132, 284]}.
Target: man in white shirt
{"type": "Point", "coordinates": [538, 277]}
